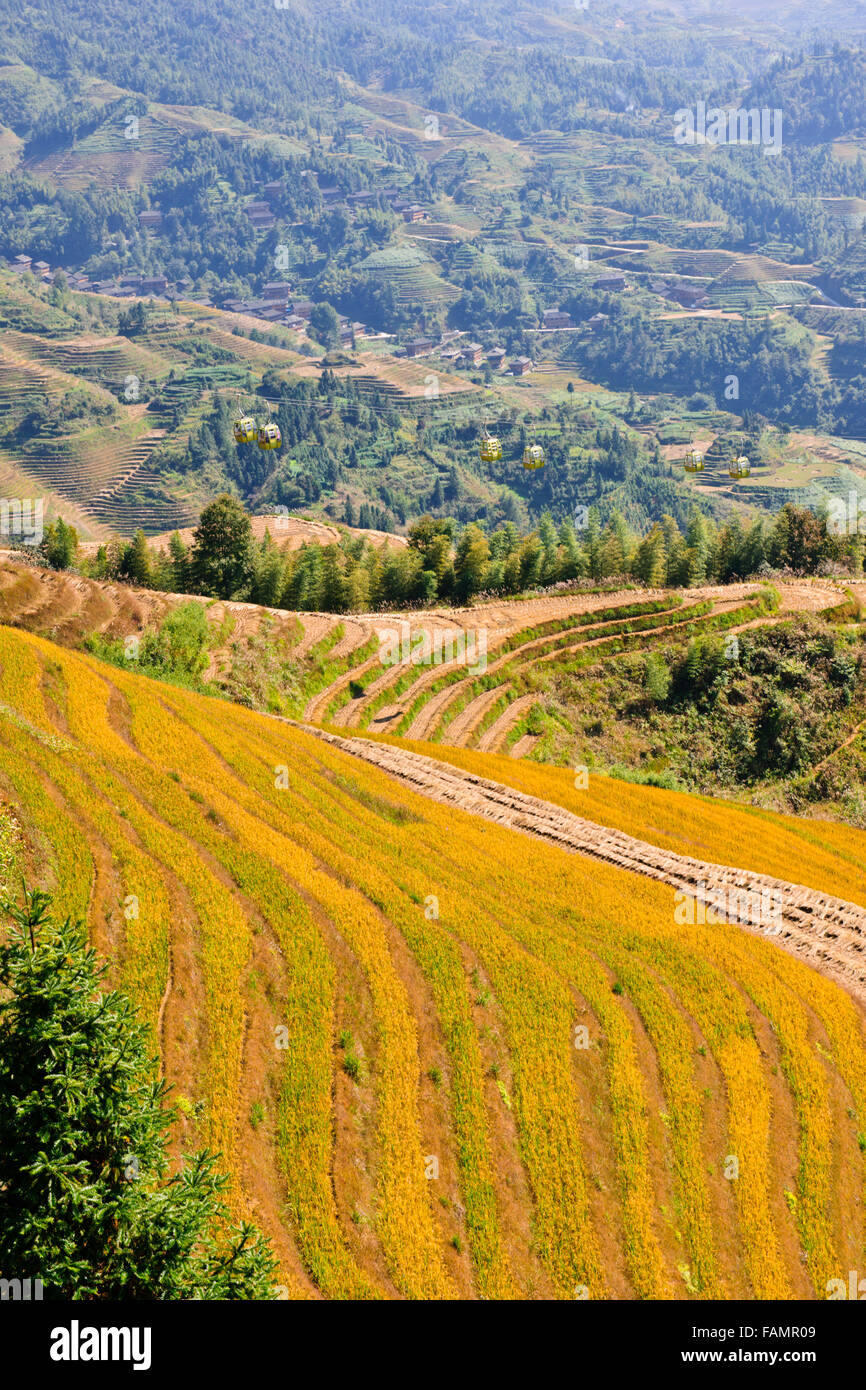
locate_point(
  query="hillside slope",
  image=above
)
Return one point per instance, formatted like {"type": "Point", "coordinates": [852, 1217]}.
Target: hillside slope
{"type": "Point", "coordinates": [828, 930]}
{"type": "Point", "coordinates": [439, 1058]}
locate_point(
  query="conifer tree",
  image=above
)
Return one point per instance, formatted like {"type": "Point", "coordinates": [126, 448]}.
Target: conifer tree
{"type": "Point", "coordinates": [87, 1204]}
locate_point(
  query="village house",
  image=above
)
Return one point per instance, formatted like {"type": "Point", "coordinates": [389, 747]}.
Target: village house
{"type": "Point", "coordinates": [277, 289]}
{"type": "Point", "coordinates": [150, 219]}
{"type": "Point", "coordinates": [520, 366]}
{"type": "Point", "coordinates": [611, 281]}
{"type": "Point", "coordinates": [414, 213]}
{"type": "Point", "coordinates": [260, 215]}
{"type": "Point", "coordinates": [495, 358]}
{"type": "Point", "coordinates": [555, 318]}
{"type": "Point", "coordinates": [21, 263]}
{"type": "Point", "coordinates": [302, 308]}
{"type": "Point", "coordinates": [597, 322]}
{"type": "Point", "coordinates": [689, 296]}
{"type": "Point", "coordinates": [471, 355]}
{"type": "Point", "coordinates": [419, 347]}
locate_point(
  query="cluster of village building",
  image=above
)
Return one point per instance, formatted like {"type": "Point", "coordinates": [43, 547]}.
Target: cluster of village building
{"type": "Point", "coordinates": [278, 303]}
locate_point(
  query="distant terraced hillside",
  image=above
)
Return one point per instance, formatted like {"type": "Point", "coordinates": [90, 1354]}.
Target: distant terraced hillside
{"type": "Point", "coordinates": [117, 461]}
{"type": "Point", "coordinates": [295, 531]}
{"type": "Point", "coordinates": [440, 1058]}
{"type": "Point", "coordinates": [113, 155]}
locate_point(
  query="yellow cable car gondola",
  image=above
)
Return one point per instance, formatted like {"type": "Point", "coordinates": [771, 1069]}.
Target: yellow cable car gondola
{"type": "Point", "coordinates": [270, 436]}
{"type": "Point", "coordinates": [245, 430]}
{"type": "Point", "coordinates": [739, 466]}
{"type": "Point", "coordinates": [533, 456]}
{"type": "Point", "coordinates": [694, 461]}
{"type": "Point", "coordinates": [491, 449]}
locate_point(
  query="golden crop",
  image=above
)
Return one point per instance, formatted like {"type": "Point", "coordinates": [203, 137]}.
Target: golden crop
{"type": "Point", "coordinates": [623, 1106]}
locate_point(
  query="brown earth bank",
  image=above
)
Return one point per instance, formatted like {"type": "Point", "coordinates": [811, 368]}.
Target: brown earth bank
{"type": "Point", "coordinates": [499, 617]}
{"type": "Point", "coordinates": [293, 531]}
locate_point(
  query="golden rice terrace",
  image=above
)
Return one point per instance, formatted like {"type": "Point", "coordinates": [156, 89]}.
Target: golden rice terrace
{"type": "Point", "coordinates": [442, 1057]}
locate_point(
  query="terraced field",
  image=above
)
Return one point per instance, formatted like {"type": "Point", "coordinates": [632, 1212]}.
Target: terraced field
{"type": "Point", "coordinates": [410, 273]}
{"type": "Point", "coordinates": [102, 469]}
{"type": "Point", "coordinates": [434, 691]}
{"type": "Point", "coordinates": [457, 677]}
{"type": "Point", "coordinates": [423, 1082]}
{"type": "Point", "coordinates": [67, 607]}
{"type": "Point", "coordinates": [828, 930]}
{"type": "Point", "coordinates": [117, 154]}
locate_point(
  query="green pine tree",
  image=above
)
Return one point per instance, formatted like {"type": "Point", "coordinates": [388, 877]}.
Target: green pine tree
{"type": "Point", "coordinates": [60, 544]}
{"type": "Point", "coordinates": [137, 560]}
{"type": "Point", "coordinates": [87, 1204]}
{"type": "Point", "coordinates": [222, 554]}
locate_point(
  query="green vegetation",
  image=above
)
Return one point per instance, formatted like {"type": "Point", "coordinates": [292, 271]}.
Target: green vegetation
{"type": "Point", "coordinates": [87, 1202]}
{"type": "Point", "coordinates": [559, 140]}
{"type": "Point", "coordinates": [176, 651]}
{"type": "Point", "coordinates": [765, 712]}
{"type": "Point", "coordinates": [9, 849]}
{"type": "Point", "coordinates": [357, 575]}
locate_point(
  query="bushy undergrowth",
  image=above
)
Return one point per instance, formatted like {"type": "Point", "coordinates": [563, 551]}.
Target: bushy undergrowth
{"type": "Point", "coordinates": [724, 711]}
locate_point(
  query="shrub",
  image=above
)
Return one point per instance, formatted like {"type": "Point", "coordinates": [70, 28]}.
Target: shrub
{"type": "Point", "coordinates": [657, 678]}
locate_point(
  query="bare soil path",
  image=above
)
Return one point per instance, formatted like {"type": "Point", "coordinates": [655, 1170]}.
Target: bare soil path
{"type": "Point", "coordinates": [828, 933]}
